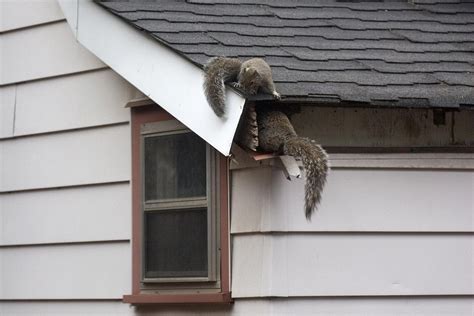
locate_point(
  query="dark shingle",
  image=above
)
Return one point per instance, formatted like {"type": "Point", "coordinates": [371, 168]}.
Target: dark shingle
{"type": "Point", "coordinates": [416, 53]}
{"type": "Point", "coordinates": [375, 54]}
{"type": "Point", "coordinates": [460, 79]}
{"type": "Point", "coordinates": [315, 42]}
{"type": "Point", "coordinates": [429, 27]}
{"type": "Point", "coordinates": [424, 67]}
{"type": "Point", "coordinates": [423, 37]}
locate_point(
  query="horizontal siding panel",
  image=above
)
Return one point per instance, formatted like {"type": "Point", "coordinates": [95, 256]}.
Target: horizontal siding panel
{"type": "Point", "coordinates": [244, 307]}
{"type": "Point", "coordinates": [432, 161]}
{"type": "Point", "coordinates": [99, 271]}
{"type": "Point", "coordinates": [19, 14]}
{"type": "Point", "coordinates": [94, 213]}
{"type": "Point", "coordinates": [7, 110]}
{"type": "Point", "coordinates": [95, 155]}
{"type": "Point", "coordinates": [438, 161]}
{"type": "Point", "coordinates": [357, 306]}
{"type": "Point", "coordinates": [76, 101]}
{"type": "Point", "coordinates": [19, 63]}
{"type": "Point", "coordinates": [352, 265]}
{"type": "Point", "coordinates": [66, 308]}
{"type": "Point", "coordinates": [375, 200]}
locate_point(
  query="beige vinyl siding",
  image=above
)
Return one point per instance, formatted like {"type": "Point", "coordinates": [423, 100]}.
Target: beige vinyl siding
{"type": "Point", "coordinates": [44, 51]}
{"type": "Point", "coordinates": [64, 164]}
{"type": "Point", "coordinates": [7, 110]}
{"type": "Point", "coordinates": [76, 214]}
{"type": "Point", "coordinates": [418, 161]}
{"type": "Point", "coordinates": [81, 157]}
{"type": "Point", "coordinates": [15, 14]}
{"type": "Point", "coordinates": [70, 271]}
{"type": "Point", "coordinates": [318, 265]}
{"type": "Point", "coordinates": [64, 103]}
{"type": "Point", "coordinates": [358, 200]}
{"type": "Point", "coordinates": [440, 306]}
{"type": "Point", "coordinates": [76, 101]}
{"type": "Point", "coordinates": [384, 228]}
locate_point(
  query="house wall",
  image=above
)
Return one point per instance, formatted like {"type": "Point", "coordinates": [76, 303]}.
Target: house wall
{"type": "Point", "coordinates": [393, 235]}
{"type": "Point", "coordinates": [64, 166]}
{"type": "Point", "coordinates": [378, 232]}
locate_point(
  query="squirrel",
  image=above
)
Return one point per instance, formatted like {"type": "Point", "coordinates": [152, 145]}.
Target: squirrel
{"type": "Point", "coordinates": [276, 134]}
{"type": "Point", "coordinates": [250, 76]}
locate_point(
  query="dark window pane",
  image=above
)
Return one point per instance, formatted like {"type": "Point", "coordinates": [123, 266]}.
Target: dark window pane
{"type": "Point", "coordinates": [175, 166]}
{"type": "Point", "coordinates": [176, 243]}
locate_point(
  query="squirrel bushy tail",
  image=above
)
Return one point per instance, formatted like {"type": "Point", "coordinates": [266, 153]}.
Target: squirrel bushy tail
{"type": "Point", "coordinates": [315, 163]}
{"type": "Point", "coordinates": [218, 71]}
{"type": "Point", "coordinates": [276, 134]}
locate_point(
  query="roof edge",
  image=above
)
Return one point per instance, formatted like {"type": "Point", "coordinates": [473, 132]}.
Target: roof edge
{"type": "Point", "coordinates": [156, 70]}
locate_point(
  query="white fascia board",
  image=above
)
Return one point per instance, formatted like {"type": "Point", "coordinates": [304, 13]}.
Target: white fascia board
{"type": "Point", "coordinates": [160, 73]}
{"type": "Point", "coordinates": [69, 8]}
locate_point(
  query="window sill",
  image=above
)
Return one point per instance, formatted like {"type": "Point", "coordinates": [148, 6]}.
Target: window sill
{"type": "Point", "coordinates": [214, 298]}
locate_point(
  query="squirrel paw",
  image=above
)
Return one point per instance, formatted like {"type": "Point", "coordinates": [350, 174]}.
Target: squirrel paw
{"type": "Point", "coordinates": [236, 85]}
{"type": "Point", "coordinates": [276, 95]}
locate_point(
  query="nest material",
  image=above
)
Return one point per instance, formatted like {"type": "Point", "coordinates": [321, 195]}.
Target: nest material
{"type": "Point", "coordinates": [247, 131]}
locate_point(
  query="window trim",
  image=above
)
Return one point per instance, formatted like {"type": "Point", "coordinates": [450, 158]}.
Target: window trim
{"type": "Point", "coordinates": [153, 114]}
{"type": "Point", "coordinates": [166, 128]}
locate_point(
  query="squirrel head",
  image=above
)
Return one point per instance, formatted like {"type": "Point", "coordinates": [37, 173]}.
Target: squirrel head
{"type": "Point", "coordinates": [250, 71]}
{"type": "Point", "coordinates": [250, 80]}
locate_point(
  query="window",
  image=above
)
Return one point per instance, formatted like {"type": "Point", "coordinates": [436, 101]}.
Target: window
{"type": "Point", "coordinates": [180, 213]}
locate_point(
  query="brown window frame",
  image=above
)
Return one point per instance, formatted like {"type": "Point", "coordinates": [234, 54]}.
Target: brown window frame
{"type": "Point", "coordinates": [152, 114]}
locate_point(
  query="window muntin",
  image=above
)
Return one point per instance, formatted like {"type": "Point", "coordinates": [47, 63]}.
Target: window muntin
{"type": "Point", "coordinates": [179, 206]}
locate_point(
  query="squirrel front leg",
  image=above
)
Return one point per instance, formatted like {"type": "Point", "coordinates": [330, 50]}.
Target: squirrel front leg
{"type": "Point", "coordinates": [269, 87]}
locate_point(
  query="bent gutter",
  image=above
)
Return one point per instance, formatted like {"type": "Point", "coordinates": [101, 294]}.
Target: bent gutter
{"type": "Point", "coordinates": [157, 71]}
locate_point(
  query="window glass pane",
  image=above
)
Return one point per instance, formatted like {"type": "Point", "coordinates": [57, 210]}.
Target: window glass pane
{"type": "Point", "coordinates": [176, 243]}
{"type": "Point", "coordinates": [175, 166]}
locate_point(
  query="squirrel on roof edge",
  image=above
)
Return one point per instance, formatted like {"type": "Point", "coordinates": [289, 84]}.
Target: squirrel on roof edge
{"type": "Point", "coordinates": [249, 76]}
{"type": "Point", "coordinates": [275, 132]}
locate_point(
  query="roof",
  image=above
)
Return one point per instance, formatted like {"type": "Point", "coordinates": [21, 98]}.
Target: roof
{"type": "Point", "coordinates": [394, 53]}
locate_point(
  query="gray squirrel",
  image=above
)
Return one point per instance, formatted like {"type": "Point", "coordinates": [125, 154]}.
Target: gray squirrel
{"type": "Point", "coordinates": [249, 76]}
{"type": "Point", "coordinates": [275, 132]}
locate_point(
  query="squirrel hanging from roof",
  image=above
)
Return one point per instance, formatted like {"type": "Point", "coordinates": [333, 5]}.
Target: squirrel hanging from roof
{"type": "Point", "coordinates": [275, 132]}
{"type": "Point", "coordinates": [249, 76]}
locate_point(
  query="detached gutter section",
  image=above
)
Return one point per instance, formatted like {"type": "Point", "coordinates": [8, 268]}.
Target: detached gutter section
{"type": "Point", "coordinates": [158, 72]}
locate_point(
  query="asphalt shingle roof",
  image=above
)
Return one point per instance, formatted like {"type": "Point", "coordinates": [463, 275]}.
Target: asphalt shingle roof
{"type": "Point", "coordinates": [394, 53]}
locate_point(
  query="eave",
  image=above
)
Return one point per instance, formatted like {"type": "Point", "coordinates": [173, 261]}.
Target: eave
{"type": "Point", "coordinates": [162, 75]}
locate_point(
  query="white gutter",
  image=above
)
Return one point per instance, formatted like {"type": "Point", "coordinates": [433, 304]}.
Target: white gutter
{"type": "Point", "coordinates": [161, 74]}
